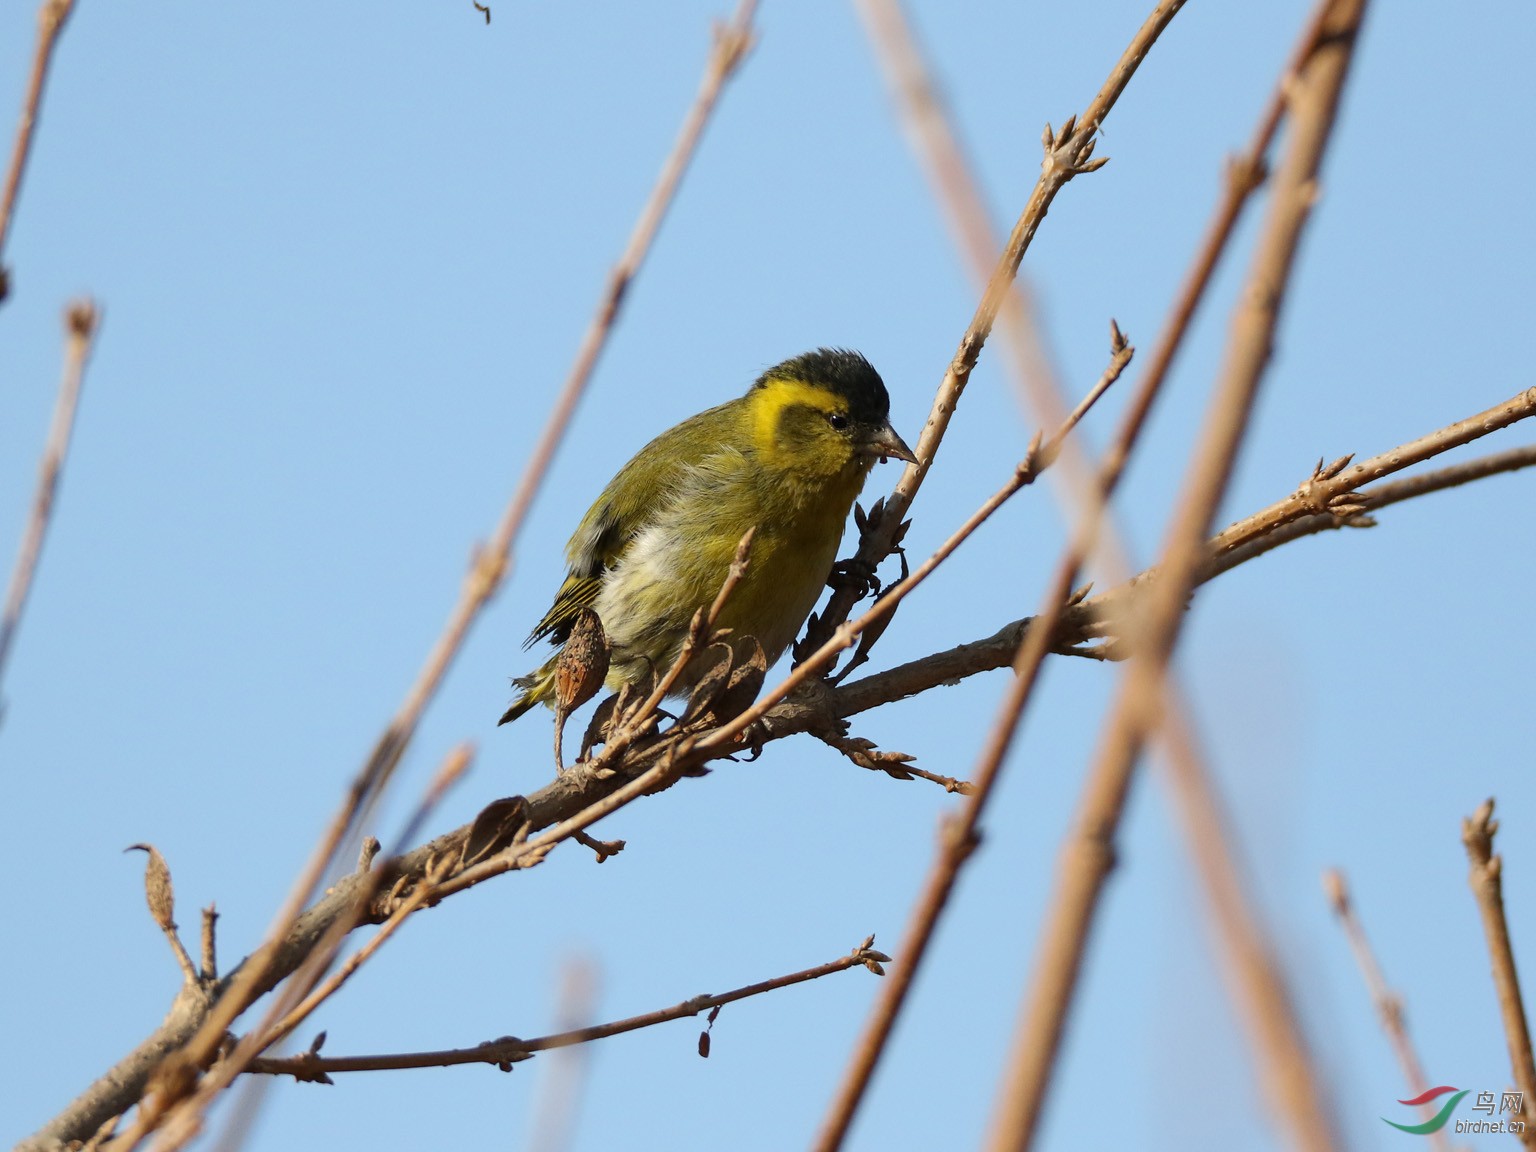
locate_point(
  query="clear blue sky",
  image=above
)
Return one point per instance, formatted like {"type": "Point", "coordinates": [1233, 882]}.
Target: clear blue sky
{"type": "Point", "coordinates": [346, 256]}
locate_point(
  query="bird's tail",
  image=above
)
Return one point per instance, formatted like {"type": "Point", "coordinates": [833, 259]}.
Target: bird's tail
{"type": "Point", "coordinates": [537, 688]}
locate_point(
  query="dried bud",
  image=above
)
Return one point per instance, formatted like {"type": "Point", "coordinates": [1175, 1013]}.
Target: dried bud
{"type": "Point", "coordinates": [157, 887]}
{"type": "Point", "coordinates": [583, 664]}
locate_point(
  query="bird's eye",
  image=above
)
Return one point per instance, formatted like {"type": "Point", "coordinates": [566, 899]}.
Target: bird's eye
{"type": "Point", "coordinates": [838, 420]}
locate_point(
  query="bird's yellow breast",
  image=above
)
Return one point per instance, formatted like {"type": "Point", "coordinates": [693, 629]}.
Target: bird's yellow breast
{"type": "Point", "coordinates": [679, 561]}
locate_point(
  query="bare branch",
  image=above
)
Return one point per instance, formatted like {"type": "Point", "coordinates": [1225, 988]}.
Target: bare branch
{"type": "Point", "coordinates": [1487, 880]}
{"type": "Point", "coordinates": [1388, 1004]}
{"type": "Point", "coordinates": [959, 835]}
{"type": "Point", "coordinates": [557, 1106]}
{"type": "Point", "coordinates": [936, 140]}
{"type": "Point", "coordinates": [1080, 624]}
{"type": "Point", "coordinates": [1330, 488]}
{"type": "Point", "coordinates": [51, 18]}
{"type": "Point", "coordinates": [1372, 499]}
{"type": "Point", "coordinates": [81, 320]}
{"type": "Point", "coordinates": [509, 1050]}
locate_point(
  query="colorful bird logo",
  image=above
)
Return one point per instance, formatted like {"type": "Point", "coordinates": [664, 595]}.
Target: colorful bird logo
{"type": "Point", "coordinates": [1435, 1122]}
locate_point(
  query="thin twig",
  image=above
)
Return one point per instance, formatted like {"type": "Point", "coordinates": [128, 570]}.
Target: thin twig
{"type": "Point", "coordinates": [492, 562]}
{"type": "Point", "coordinates": [1089, 853]}
{"type": "Point", "coordinates": [1371, 499]}
{"type": "Point", "coordinates": [81, 321]}
{"type": "Point", "coordinates": [510, 1049]}
{"type": "Point", "coordinates": [936, 141]}
{"type": "Point", "coordinates": [1329, 488]}
{"type": "Point", "coordinates": [1388, 1004]}
{"type": "Point", "coordinates": [1487, 880]}
{"type": "Point", "coordinates": [1251, 960]}
{"type": "Point", "coordinates": [299, 999]}
{"type": "Point", "coordinates": [1244, 175]}
{"type": "Point", "coordinates": [51, 18]}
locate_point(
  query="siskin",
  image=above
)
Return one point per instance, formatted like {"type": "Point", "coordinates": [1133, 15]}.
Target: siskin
{"type": "Point", "coordinates": [788, 458]}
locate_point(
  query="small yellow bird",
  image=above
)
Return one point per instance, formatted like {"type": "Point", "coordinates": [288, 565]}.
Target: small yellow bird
{"type": "Point", "coordinates": [788, 458]}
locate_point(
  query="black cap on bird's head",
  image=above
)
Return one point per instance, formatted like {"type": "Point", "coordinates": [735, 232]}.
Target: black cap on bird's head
{"type": "Point", "coordinates": [838, 370]}
{"type": "Point", "coordinates": [847, 375]}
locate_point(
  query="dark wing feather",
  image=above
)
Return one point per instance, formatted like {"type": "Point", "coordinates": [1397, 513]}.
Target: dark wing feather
{"type": "Point", "coordinates": [578, 592]}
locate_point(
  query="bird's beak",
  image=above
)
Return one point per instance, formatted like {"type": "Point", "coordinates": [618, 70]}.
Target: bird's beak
{"type": "Point", "coordinates": [884, 442]}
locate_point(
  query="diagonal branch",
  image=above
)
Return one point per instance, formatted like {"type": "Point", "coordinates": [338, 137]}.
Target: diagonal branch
{"type": "Point", "coordinates": [81, 320]}
{"type": "Point", "coordinates": [1329, 487]}
{"type": "Point", "coordinates": [1371, 499]}
{"type": "Point", "coordinates": [51, 18]}
{"type": "Point", "coordinates": [1388, 1004]}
